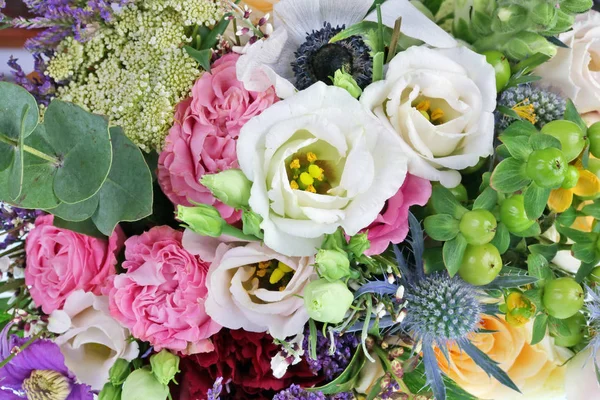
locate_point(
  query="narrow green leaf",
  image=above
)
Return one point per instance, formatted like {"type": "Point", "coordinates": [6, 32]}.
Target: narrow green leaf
{"type": "Point", "coordinates": [454, 251]}
{"type": "Point", "coordinates": [531, 63]}
{"type": "Point", "coordinates": [518, 146]}
{"type": "Point", "coordinates": [487, 200]}
{"type": "Point", "coordinates": [536, 199]}
{"type": "Point", "coordinates": [202, 56]}
{"type": "Point", "coordinates": [502, 238]}
{"type": "Point", "coordinates": [211, 39]}
{"type": "Point", "coordinates": [509, 176]}
{"type": "Point", "coordinates": [433, 5]}
{"type": "Point", "coordinates": [516, 81]}
{"type": "Point", "coordinates": [584, 270]}
{"type": "Point", "coordinates": [571, 114]}
{"type": "Point", "coordinates": [511, 281]}
{"type": "Point", "coordinates": [347, 379]}
{"type": "Point", "coordinates": [444, 202]}
{"type": "Point", "coordinates": [540, 141]}
{"type": "Point", "coordinates": [362, 29]}
{"type": "Point", "coordinates": [540, 326]}
{"type": "Point", "coordinates": [509, 112]}
{"type": "Point", "coordinates": [441, 227]}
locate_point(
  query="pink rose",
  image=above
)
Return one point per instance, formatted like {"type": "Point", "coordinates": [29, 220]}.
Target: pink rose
{"type": "Point", "coordinates": [203, 139]}
{"type": "Point", "coordinates": [60, 262]}
{"type": "Point", "coordinates": [161, 296]}
{"type": "Point", "coordinates": [391, 225]}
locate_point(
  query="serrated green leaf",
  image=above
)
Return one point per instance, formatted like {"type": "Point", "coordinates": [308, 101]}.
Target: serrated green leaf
{"type": "Point", "coordinates": [203, 57]}
{"type": "Point", "coordinates": [571, 114]}
{"type": "Point", "coordinates": [536, 199]}
{"type": "Point", "coordinates": [509, 176]}
{"type": "Point", "coordinates": [454, 251]}
{"type": "Point", "coordinates": [441, 227]}
{"type": "Point", "coordinates": [540, 326]}
{"type": "Point", "coordinates": [518, 146]}
{"type": "Point", "coordinates": [81, 141]}
{"type": "Point", "coordinates": [584, 270]}
{"type": "Point", "coordinates": [540, 141]}
{"type": "Point", "coordinates": [502, 238]}
{"type": "Point", "coordinates": [127, 193]}
{"type": "Point", "coordinates": [444, 202]}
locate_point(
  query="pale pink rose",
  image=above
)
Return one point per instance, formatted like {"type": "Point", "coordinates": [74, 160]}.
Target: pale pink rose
{"type": "Point", "coordinates": [160, 298]}
{"type": "Point", "coordinates": [203, 139]}
{"type": "Point", "coordinates": [239, 299]}
{"type": "Point", "coordinates": [60, 261]}
{"type": "Point", "coordinates": [391, 225]}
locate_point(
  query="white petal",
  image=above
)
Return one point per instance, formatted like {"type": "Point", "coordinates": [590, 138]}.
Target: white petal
{"type": "Point", "coordinates": [59, 322]}
{"type": "Point", "coordinates": [348, 14]}
{"type": "Point", "coordinates": [298, 17]}
{"type": "Point", "coordinates": [414, 23]}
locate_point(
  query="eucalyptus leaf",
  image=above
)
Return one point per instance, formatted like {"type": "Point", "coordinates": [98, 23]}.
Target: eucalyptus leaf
{"type": "Point", "coordinates": [509, 176]}
{"type": "Point", "coordinates": [15, 177]}
{"type": "Point", "coordinates": [86, 227]}
{"type": "Point", "coordinates": [454, 251]}
{"type": "Point", "coordinates": [81, 142]}
{"type": "Point", "coordinates": [127, 192]}
{"type": "Point", "coordinates": [536, 199]}
{"type": "Point", "coordinates": [76, 212]}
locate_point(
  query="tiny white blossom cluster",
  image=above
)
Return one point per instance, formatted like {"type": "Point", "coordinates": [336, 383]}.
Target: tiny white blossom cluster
{"type": "Point", "coordinates": [135, 69]}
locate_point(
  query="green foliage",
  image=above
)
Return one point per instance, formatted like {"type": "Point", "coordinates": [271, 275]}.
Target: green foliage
{"type": "Point", "coordinates": [72, 165]}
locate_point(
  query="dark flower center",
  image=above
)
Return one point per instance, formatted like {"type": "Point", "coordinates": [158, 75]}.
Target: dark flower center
{"type": "Point", "coordinates": [317, 59]}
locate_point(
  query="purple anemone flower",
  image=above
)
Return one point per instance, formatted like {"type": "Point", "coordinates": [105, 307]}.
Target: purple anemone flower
{"type": "Point", "coordinates": [36, 370]}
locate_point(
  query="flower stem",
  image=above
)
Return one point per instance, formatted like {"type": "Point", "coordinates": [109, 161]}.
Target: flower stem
{"type": "Point", "coordinates": [30, 150]}
{"type": "Point", "coordinates": [11, 285]}
{"type": "Point", "coordinates": [388, 367]}
{"type": "Point", "coordinates": [12, 355]}
{"type": "Point", "coordinates": [237, 233]}
{"type": "Point", "coordinates": [13, 250]}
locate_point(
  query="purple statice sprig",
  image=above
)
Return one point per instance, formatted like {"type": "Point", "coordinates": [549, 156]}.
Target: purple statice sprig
{"type": "Point", "coordinates": [15, 223]}
{"type": "Point", "coordinates": [295, 392]}
{"type": "Point", "coordinates": [334, 353]}
{"type": "Point", "coordinates": [40, 85]}
{"type": "Point", "coordinates": [215, 392]}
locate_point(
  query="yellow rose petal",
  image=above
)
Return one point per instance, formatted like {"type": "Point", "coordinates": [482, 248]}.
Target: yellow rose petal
{"type": "Point", "coordinates": [587, 185]}
{"type": "Point", "coordinates": [560, 200]}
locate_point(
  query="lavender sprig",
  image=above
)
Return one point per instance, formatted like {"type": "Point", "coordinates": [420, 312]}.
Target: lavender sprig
{"type": "Point", "coordinates": [215, 392]}
{"type": "Point", "coordinates": [332, 359]}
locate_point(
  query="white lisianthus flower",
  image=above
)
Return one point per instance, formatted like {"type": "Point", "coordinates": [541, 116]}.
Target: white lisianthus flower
{"type": "Point", "coordinates": [440, 103]}
{"type": "Point", "coordinates": [90, 339]}
{"type": "Point", "coordinates": [318, 161]}
{"type": "Point", "coordinates": [298, 53]}
{"type": "Point", "coordinates": [576, 70]}
{"type": "Point", "coordinates": [253, 288]}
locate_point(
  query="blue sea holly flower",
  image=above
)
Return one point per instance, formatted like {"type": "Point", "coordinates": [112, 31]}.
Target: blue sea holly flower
{"type": "Point", "coordinates": [436, 311]}
{"type": "Point", "coordinates": [298, 53]}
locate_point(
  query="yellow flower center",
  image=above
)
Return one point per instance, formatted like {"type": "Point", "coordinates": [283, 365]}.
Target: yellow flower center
{"type": "Point", "coordinates": [46, 385]}
{"type": "Point", "coordinates": [434, 115]}
{"type": "Point", "coordinates": [307, 173]}
{"type": "Point", "coordinates": [525, 110]}
{"type": "Point", "coordinates": [279, 274]}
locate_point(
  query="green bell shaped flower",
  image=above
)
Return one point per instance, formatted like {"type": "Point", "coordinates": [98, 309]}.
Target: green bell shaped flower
{"type": "Point", "coordinates": [165, 365]}
{"type": "Point", "coordinates": [203, 219]}
{"type": "Point", "coordinates": [332, 265]}
{"type": "Point", "coordinates": [141, 384]}
{"type": "Point", "coordinates": [231, 187]}
{"type": "Point", "coordinates": [119, 372]}
{"type": "Point", "coordinates": [346, 81]}
{"type": "Point", "coordinates": [327, 301]}
{"type": "Point", "coordinates": [110, 392]}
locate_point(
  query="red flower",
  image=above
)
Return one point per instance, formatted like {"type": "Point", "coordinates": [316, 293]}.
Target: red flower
{"type": "Point", "coordinates": [243, 359]}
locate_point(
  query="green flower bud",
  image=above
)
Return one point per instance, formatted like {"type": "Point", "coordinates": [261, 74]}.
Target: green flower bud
{"type": "Point", "coordinates": [327, 301]}
{"type": "Point", "coordinates": [359, 244]}
{"type": "Point", "coordinates": [576, 6]}
{"type": "Point", "coordinates": [110, 392]}
{"type": "Point", "coordinates": [141, 384]}
{"type": "Point", "coordinates": [203, 219]}
{"type": "Point", "coordinates": [333, 265]}
{"type": "Point", "coordinates": [231, 187]}
{"type": "Point", "coordinates": [335, 241]}
{"type": "Point", "coordinates": [165, 365]}
{"type": "Point", "coordinates": [119, 372]}
{"type": "Point", "coordinates": [526, 44]}
{"type": "Point", "coordinates": [512, 18]}
{"type": "Point", "coordinates": [251, 224]}
{"type": "Point", "coordinates": [346, 81]}
{"type": "Point", "coordinates": [544, 14]}
{"type": "Point", "coordinates": [564, 22]}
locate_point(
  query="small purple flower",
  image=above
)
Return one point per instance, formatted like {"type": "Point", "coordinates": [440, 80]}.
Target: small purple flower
{"type": "Point", "coordinates": [215, 392]}
{"type": "Point", "coordinates": [295, 392]}
{"type": "Point", "coordinates": [331, 364]}
{"type": "Point", "coordinates": [40, 365]}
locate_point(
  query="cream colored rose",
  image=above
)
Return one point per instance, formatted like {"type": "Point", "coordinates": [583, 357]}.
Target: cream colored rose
{"type": "Point", "coordinates": [253, 288]}
{"type": "Point", "coordinates": [536, 370]}
{"type": "Point", "coordinates": [91, 340]}
{"type": "Point", "coordinates": [440, 104]}
{"type": "Point", "coordinates": [576, 70]}
{"type": "Point", "coordinates": [261, 5]}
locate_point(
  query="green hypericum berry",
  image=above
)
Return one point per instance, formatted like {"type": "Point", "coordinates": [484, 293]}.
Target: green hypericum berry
{"type": "Point", "coordinates": [571, 178]}
{"type": "Point", "coordinates": [576, 326]}
{"type": "Point", "coordinates": [593, 135]}
{"type": "Point", "coordinates": [562, 297]}
{"type": "Point", "coordinates": [481, 264]}
{"type": "Point", "coordinates": [570, 136]}
{"type": "Point", "coordinates": [547, 168]}
{"type": "Point", "coordinates": [595, 275]}
{"type": "Point", "coordinates": [513, 215]}
{"type": "Point", "coordinates": [501, 66]}
{"type": "Point", "coordinates": [478, 226]}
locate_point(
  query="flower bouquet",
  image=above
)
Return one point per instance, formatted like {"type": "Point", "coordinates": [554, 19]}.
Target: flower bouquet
{"type": "Point", "coordinates": [302, 199]}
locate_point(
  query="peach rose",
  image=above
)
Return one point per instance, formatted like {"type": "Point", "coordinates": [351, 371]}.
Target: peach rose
{"type": "Point", "coordinates": [536, 370]}
{"type": "Point", "coordinates": [261, 5]}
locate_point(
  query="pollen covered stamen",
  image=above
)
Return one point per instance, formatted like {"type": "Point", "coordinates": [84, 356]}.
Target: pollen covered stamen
{"type": "Point", "coordinates": [525, 110]}
{"type": "Point", "coordinates": [307, 173]}
{"type": "Point", "coordinates": [46, 385]}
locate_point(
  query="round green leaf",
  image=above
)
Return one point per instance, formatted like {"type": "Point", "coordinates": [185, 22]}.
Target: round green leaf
{"type": "Point", "coordinates": [81, 141]}
{"type": "Point", "coordinates": [77, 212]}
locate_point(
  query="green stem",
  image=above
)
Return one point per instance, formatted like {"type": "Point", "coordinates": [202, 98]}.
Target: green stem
{"type": "Point", "coordinates": [30, 150]}
{"type": "Point", "coordinates": [12, 355]}
{"type": "Point", "coordinates": [237, 38]}
{"type": "Point", "coordinates": [388, 367]}
{"type": "Point", "coordinates": [13, 250]}
{"type": "Point", "coordinates": [237, 233]}
{"type": "Point", "coordinates": [11, 285]}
